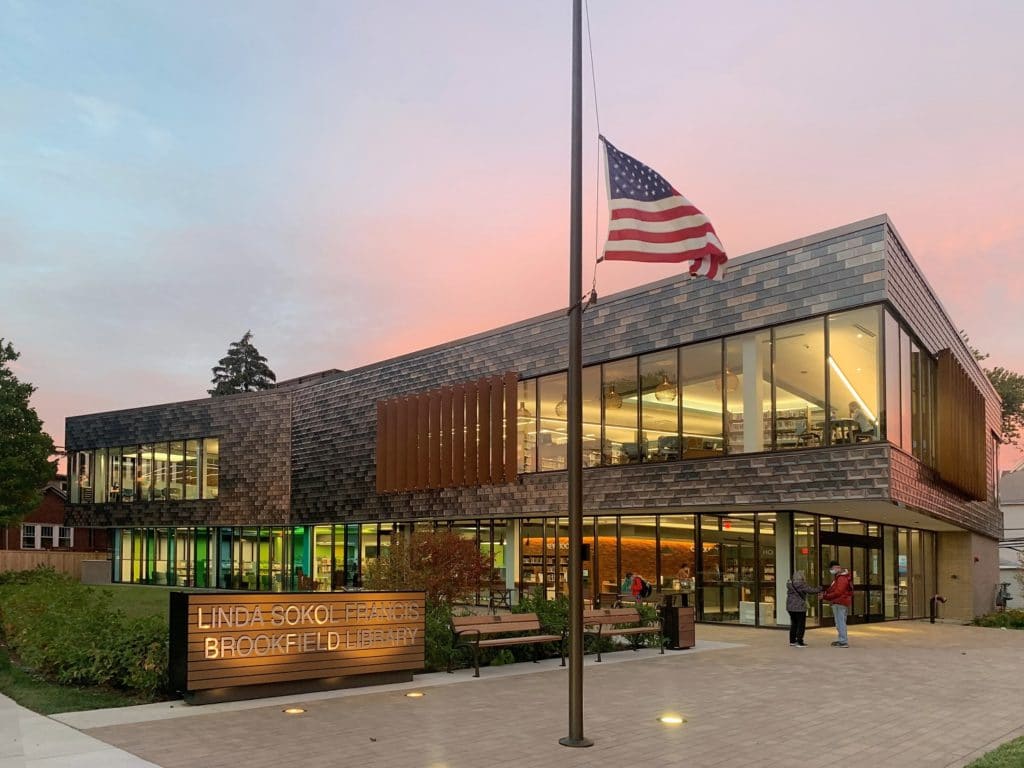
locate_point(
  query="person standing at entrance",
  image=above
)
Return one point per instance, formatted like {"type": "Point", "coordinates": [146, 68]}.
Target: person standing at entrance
{"type": "Point", "coordinates": [797, 590]}
{"type": "Point", "coordinates": [840, 594]}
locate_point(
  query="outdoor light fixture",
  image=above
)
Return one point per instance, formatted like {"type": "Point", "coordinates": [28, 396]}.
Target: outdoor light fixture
{"type": "Point", "coordinates": [523, 412]}
{"type": "Point", "coordinates": [560, 408]}
{"type": "Point", "coordinates": [414, 695]}
{"type": "Point", "coordinates": [671, 720]}
{"type": "Point", "coordinates": [612, 399]}
{"type": "Point", "coordinates": [666, 391]}
{"type": "Point", "coordinates": [293, 711]}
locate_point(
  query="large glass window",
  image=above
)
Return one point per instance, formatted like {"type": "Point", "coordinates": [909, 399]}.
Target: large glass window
{"type": "Point", "coordinates": [800, 385]}
{"type": "Point", "coordinates": [748, 365]}
{"type": "Point", "coordinates": [906, 394]}
{"type": "Point", "coordinates": [100, 476]}
{"type": "Point", "coordinates": [591, 384]}
{"type": "Point", "coordinates": [83, 470]}
{"type": "Point", "coordinates": [211, 467]}
{"type": "Point", "coordinates": [678, 558]}
{"type": "Point", "coordinates": [129, 471]}
{"type": "Point", "coordinates": [526, 424]}
{"type": "Point", "coordinates": [114, 475]}
{"type": "Point", "coordinates": [659, 406]}
{"type": "Point", "coordinates": [854, 362]}
{"type": "Point", "coordinates": [701, 377]}
{"type": "Point", "coordinates": [176, 463]}
{"type": "Point", "coordinates": [620, 412]}
{"type": "Point", "coordinates": [892, 380]}
{"type": "Point", "coordinates": [552, 437]}
{"type": "Point", "coordinates": [191, 469]}
{"type": "Point", "coordinates": [805, 555]}
{"type": "Point", "coordinates": [607, 577]}
{"type": "Point", "coordinates": [161, 471]}
{"type": "Point", "coordinates": [638, 540]}
{"type": "Point", "coordinates": [144, 483]}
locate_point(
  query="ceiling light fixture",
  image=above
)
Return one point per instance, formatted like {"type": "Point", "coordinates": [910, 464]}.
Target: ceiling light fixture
{"type": "Point", "coordinates": [666, 391]}
{"type": "Point", "coordinates": [732, 382]}
{"type": "Point", "coordinates": [864, 330]}
{"type": "Point", "coordinates": [523, 412]}
{"type": "Point", "coordinates": [561, 407]}
{"type": "Point", "coordinates": [612, 399]}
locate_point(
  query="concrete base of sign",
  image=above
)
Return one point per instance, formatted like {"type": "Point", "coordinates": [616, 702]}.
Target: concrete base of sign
{"type": "Point", "coordinates": [292, 687]}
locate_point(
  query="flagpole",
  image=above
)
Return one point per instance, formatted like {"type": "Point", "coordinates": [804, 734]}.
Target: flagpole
{"type": "Point", "coordinates": [575, 395]}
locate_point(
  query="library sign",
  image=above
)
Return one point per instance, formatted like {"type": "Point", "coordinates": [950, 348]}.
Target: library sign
{"type": "Point", "coordinates": [265, 644]}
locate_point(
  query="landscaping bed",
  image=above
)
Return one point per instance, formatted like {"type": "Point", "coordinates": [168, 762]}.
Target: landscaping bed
{"type": "Point", "coordinates": [68, 646]}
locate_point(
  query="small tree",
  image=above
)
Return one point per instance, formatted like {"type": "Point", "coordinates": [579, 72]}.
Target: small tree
{"type": "Point", "coordinates": [25, 450]}
{"type": "Point", "coordinates": [1010, 387]}
{"type": "Point", "coordinates": [244, 369]}
{"type": "Point", "coordinates": [444, 565]}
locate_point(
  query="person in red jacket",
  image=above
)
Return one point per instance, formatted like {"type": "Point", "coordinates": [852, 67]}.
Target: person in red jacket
{"type": "Point", "coordinates": [840, 594]}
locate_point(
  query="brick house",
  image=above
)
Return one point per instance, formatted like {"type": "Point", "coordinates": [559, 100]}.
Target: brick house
{"type": "Point", "coordinates": [45, 527]}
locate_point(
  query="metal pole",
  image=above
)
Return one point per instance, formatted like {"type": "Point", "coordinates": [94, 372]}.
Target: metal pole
{"type": "Point", "coordinates": [575, 396]}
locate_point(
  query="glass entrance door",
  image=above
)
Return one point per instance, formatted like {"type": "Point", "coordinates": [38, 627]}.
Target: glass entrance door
{"type": "Point", "coordinates": [862, 556]}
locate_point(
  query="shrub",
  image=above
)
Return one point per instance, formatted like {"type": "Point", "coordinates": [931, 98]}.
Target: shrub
{"type": "Point", "coordinates": [1011, 619]}
{"type": "Point", "coordinates": [71, 635]}
{"type": "Point", "coordinates": [439, 650]}
{"type": "Point", "coordinates": [447, 567]}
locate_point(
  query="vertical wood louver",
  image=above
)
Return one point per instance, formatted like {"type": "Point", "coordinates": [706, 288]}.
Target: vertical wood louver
{"type": "Point", "coordinates": [960, 423]}
{"type": "Point", "coordinates": [461, 435]}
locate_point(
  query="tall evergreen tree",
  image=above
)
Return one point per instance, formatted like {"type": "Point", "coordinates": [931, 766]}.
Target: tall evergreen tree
{"type": "Point", "coordinates": [25, 450]}
{"type": "Point", "coordinates": [244, 369]}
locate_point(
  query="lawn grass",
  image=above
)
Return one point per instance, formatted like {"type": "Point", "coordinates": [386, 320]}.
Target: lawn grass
{"type": "Point", "coordinates": [1010, 755]}
{"type": "Point", "coordinates": [49, 698]}
{"type": "Point", "coordinates": [137, 600]}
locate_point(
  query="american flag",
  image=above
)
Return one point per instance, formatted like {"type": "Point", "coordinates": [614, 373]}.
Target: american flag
{"type": "Point", "coordinates": [650, 221]}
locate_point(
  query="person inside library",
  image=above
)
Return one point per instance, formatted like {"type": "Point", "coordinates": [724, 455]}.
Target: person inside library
{"type": "Point", "coordinates": [864, 425]}
{"type": "Point", "coordinates": [797, 590]}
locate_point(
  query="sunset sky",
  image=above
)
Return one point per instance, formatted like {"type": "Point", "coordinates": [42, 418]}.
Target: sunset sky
{"type": "Point", "coordinates": [356, 180]}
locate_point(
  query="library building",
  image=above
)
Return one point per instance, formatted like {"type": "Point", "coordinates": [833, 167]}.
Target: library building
{"type": "Point", "coordinates": [817, 404]}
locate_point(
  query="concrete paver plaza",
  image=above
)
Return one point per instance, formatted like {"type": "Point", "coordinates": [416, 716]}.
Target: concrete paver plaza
{"type": "Point", "coordinates": [905, 694]}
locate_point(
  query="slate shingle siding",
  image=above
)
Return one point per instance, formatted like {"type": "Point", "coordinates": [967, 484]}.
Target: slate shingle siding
{"type": "Point", "coordinates": [858, 472]}
{"type": "Point", "coordinates": [332, 473]}
{"type": "Point", "coordinates": [255, 459]}
{"type": "Point", "coordinates": [912, 297]}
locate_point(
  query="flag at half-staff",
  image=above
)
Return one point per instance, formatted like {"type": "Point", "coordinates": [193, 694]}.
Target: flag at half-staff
{"type": "Point", "coordinates": [650, 221]}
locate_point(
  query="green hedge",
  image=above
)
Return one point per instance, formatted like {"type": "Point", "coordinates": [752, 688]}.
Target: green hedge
{"type": "Point", "coordinates": [71, 635]}
{"type": "Point", "coordinates": [1009, 619]}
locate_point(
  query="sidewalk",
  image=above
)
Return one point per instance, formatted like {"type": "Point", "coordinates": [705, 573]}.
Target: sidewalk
{"type": "Point", "coordinates": [29, 740]}
{"type": "Point", "coordinates": [908, 694]}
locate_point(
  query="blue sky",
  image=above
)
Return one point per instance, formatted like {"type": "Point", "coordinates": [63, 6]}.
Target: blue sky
{"type": "Point", "coordinates": [331, 174]}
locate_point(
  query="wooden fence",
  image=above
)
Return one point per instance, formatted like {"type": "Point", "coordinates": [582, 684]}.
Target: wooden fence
{"type": "Point", "coordinates": [63, 562]}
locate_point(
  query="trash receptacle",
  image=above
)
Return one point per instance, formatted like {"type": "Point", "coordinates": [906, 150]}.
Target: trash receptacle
{"type": "Point", "coordinates": [677, 624]}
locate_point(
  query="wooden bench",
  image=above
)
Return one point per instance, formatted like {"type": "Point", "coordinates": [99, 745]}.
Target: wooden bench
{"type": "Point", "coordinates": [601, 623]}
{"type": "Point", "coordinates": [476, 632]}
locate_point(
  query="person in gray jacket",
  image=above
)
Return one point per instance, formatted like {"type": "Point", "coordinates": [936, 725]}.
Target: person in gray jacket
{"type": "Point", "coordinates": [797, 590]}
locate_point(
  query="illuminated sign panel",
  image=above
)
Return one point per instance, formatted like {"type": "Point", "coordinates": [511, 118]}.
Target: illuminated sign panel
{"type": "Point", "coordinates": [230, 640]}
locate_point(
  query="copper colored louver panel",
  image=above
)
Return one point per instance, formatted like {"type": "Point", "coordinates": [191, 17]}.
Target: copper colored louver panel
{"type": "Point", "coordinates": [461, 435]}
{"type": "Point", "coordinates": [960, 422]}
